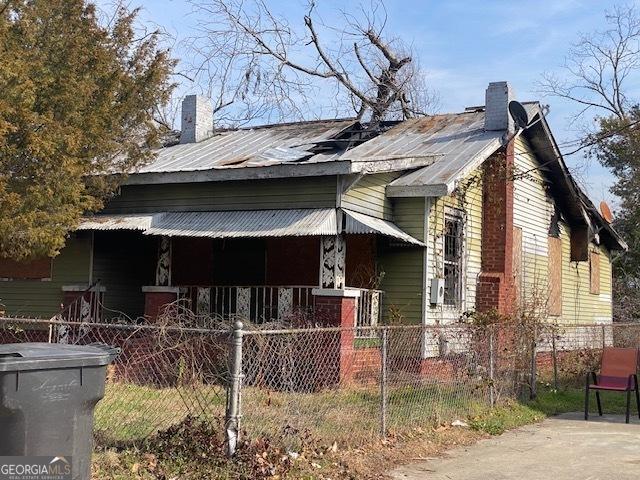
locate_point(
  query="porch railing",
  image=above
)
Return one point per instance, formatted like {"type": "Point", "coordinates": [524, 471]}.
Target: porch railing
{"type": "Point", "coordinates": [368, 313]}
{"type": "Point", "coordinates": [85, 307]}
{"type": "Point", "coordinates": [284, 303]}
{"type": "Point", "coordinates": [258, 304]}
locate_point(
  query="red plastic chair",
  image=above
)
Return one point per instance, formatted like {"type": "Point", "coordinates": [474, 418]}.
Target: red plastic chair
{"type": "Point", "coordinates": [618, 373]}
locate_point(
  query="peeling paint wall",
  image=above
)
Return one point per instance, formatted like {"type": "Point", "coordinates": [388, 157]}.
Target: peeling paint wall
{"type": "Point", "coordinates": [467, 199]}
{"type": "Point", "coordinates": [533, 211]}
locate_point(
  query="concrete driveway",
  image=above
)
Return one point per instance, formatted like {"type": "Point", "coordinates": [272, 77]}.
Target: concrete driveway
{"type": "Point", "coordinates": [560, 448]}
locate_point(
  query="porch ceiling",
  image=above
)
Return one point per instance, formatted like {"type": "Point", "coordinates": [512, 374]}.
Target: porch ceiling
{"type": "Point", "coordinates": [248, 224]}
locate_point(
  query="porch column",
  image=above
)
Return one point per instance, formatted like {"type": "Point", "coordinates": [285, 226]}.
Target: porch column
{"type": "Point", "coordinates": [333, 251]}
{"type": "Point", "coordinates": [336, 306]}
{"type": "Point", "coordinates": [162, 293]}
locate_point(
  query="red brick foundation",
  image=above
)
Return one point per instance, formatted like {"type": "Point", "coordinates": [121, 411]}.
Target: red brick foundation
{"type": "Point", "coordinates": [366, 365]}
{"type": "Point", "coordinates": [155, 299]}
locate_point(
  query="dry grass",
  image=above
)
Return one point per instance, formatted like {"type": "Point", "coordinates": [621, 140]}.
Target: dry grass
{"type": "Point", "coordinates": [345, 416]}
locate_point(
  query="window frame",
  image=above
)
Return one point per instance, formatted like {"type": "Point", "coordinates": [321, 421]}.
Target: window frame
{"type": "Point", "coordinates": [458, 216]}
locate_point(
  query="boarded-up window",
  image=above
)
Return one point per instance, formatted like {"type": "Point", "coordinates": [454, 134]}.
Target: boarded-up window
{"type": "Point", "coordinates": [555, 276]}
{"type": "Point", "coordinates": [37, 269]}
{"type": "Point", "coordinates": [594, 273]}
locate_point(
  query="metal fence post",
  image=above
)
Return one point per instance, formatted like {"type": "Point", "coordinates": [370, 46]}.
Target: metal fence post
{"type": "Point", "coordinates": [492, 396]}
{"type": "Point", "coordinates": [383, 382]}
{"type": "Point", "coordinates": [234, 389]}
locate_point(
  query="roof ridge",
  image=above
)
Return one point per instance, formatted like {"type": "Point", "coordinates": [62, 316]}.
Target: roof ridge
{"type": "Point", "coordinates": [287, 124]}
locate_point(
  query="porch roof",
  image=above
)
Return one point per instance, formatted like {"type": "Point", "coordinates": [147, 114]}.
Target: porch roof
{"type": "Point", "coordinates": [248, 224]}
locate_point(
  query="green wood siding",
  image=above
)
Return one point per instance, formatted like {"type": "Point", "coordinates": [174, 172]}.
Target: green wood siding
{"type": "Point", "coordinates": [403, 266]}
{"type": "Point", "coordinates": [368, 195]}
{"type": "Point", "coordinates": [312, 192]}
{"type": "Point", "coordinates": [124, 262]}
{"type": "Point", "coordinates": [42, 299]}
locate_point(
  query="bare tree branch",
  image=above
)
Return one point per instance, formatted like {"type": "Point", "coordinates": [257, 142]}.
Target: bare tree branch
{"type": "Point", "coordinates": [599, 65]}
{"type": "Point", "coordinates": [257, 63]}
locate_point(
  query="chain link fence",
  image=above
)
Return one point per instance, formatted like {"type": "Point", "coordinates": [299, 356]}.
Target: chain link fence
{"type": "Point", "coordinates": [161, 376]}
{"type": "Point", "coordinates": [330, 385]}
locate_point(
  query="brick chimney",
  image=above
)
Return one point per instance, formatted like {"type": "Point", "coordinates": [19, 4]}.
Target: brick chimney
{"type": "Point", "coordinates": [197, 119]}
{"type": "Point", "coordinates": [497, 98]}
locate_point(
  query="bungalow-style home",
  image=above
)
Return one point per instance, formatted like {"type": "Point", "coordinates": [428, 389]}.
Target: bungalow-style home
{"type": "Point", "coordinates": [415, 221]}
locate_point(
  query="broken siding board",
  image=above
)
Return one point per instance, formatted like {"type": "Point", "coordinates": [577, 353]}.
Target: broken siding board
{"type": "Point", "coordinates": [42, 299]}
{"type": "Point", "coordinates": [314, 192]}
{"type": "Point", "coordinates": [368, 196]}
{"type": "Point", "coordinates": [403, 266]}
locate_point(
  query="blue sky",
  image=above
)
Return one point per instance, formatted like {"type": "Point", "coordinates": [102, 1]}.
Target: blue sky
{"type": "Point", "coordinates": [463, 45]}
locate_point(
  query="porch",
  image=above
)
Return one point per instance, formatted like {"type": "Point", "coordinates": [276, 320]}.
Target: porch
{"type": "Point", "coordinates": [272, 266]}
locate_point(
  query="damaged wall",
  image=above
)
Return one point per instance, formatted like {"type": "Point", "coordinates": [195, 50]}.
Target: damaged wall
{"type": "Point", "coordinates": [533, 212]}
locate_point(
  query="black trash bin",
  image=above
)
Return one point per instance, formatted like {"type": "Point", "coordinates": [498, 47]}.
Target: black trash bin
{"type": "Point", "coordinates": [48, 393]}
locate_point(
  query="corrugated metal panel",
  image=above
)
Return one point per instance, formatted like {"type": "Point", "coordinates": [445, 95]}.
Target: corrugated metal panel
{"type": "Point", "coordinates": [247, 223]}
{"type": "Point", "coordinates": [457, 141]}
{"type": "Point", "coordinates": [250, 147]}
{"type": "Point", "coordinates": [453, 140]}
{"type": "Point", "coordinates": [116, 222]}
{"type": "Point", "coordinates": [360, 223]}
{"type": "Point", "coordinates": [244, 224]}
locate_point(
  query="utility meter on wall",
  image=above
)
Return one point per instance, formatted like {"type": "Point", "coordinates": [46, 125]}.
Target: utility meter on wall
{"type": "Point", "coordinates": [437, 291]}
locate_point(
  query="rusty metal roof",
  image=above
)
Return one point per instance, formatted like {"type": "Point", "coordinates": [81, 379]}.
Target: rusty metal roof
{"type": "Point", "coordinates": [443, 144]}
{"type": "Point", "coordinates": [457, 143]}
{"type": "Point", "coordinates": [250, 147]}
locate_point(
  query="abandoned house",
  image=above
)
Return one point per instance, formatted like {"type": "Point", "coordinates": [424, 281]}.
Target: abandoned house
{"type": "Point", "coordinates": [415, 221]}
